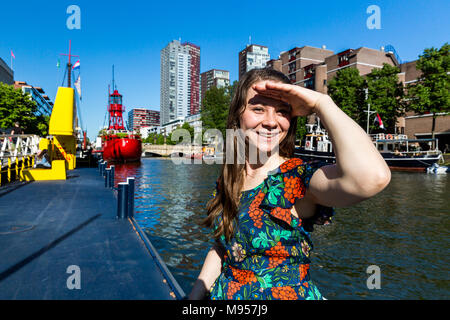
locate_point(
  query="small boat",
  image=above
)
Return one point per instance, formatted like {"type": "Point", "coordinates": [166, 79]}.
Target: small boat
{"type": "Point", "coordinates": [437, 169]}
{"type": "Point", "coordinates": [399, 152]}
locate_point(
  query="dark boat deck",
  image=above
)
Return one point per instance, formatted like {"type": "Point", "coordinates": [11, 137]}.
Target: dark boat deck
{"type": "Point", "coordinates": [47, 226]}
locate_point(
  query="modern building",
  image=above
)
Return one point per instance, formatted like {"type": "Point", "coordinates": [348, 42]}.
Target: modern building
{"type": "Point", "coordinates": [180, 81]}
{"type": "Point", "coordinates": [6, 74]}
{"type": "Point", "coordinates": [43, 102]}
{"type": "Point", "coordinates": [253, 56]}
{"type": "Point", "coordinates": [139, 117]}
{"type": "Point", "coordinates": [214, 78]}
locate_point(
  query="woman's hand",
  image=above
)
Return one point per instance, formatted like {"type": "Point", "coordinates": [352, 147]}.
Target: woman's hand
{"type": "Point", "coordinates": [303, 101]}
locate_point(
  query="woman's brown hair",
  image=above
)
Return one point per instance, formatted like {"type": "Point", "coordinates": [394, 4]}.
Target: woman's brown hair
{"type": "Point", "coordinates": [229, 185]}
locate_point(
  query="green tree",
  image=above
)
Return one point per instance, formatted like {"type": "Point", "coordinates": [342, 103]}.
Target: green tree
{"type": "Point", "coordinates": [215, 108]}
{"type": "Point", "coordinates": [301, 128]}
{"type": "Point", "coordinates": [347, 91]}
{"type": "Point", "coordinates": [17, 106]}
{"type": "Point", "coordinates": [385, 96]}
{"type": "Point", "coordinates": [430, 94]}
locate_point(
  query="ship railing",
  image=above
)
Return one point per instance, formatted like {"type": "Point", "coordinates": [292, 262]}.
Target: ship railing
{"type": "Point", "coordinates": [429, 153]}
{"type": "Point", "coordinates": [17, 146]}
{"type": "Point", "coordinates": [387, 136]}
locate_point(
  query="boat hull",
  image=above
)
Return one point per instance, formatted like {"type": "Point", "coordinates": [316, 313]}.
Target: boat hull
{"type": "Point", "coordinates": [396, 163]}
{"type": "Point", "coordinates": [122, 150]}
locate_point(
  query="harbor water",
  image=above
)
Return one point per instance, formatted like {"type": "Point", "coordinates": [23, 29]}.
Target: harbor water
{"type": "Point", "coordinates": [404, 231]}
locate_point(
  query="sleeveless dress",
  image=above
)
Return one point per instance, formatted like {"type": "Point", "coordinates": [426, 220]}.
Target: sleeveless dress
{"type": "Point", "coordinates": [268, 256]}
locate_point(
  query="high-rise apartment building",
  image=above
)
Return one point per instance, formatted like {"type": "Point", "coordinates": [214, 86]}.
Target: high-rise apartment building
{"type": "Point", "coordinates": [253, 56]}
{"type": "Point", "coordinates": [180, 81]}
{"type": "Point", "coordinates": [138, 118]}
{"type": "Point", "coordinates": [214, 78]}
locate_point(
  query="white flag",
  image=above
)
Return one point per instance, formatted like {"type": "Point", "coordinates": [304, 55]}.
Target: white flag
{"type": "Point", "coordinates": [78, 86]}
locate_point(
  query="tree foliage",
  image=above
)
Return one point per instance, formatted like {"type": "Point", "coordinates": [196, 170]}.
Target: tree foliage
{"type": "Point", "coordinates": [214, 113]}
{"type": "Point", "coordinates": [18, 106]}
{"type": "Point", "coordinates": [430, 94]}
{"type": "Point", "coordinates": [347, 91]}
{"type": "Point", "coordinates": [385, 96]}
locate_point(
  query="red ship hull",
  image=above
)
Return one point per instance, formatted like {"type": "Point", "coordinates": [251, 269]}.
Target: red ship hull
{"type": "Point", "coordinates": [122, 150]}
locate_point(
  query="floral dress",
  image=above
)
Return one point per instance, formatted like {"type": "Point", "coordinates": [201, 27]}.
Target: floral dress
{"type": "Point", "coordinates": [268, 256]}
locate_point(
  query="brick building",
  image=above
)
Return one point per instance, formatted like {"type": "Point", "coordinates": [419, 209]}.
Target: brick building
{"type": "Point", "coordinates": [419, 126]}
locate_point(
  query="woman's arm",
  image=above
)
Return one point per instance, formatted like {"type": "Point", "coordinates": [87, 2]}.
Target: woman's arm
{"type": "Point", "coordinates": [360, 171]}
{"type": "Point", "coordinates": [210, 271]}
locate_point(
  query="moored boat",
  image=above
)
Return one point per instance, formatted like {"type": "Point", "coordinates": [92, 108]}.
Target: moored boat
{"type": "Point", "coordinates": [119, 144]}
{"type": "Point", "coordinates": [399, 152]}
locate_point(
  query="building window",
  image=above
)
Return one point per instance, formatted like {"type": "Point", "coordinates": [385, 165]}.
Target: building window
{"type": "Point", "coordinates": [343, 58]}
{"type": "Point", "coordinates": [309, 83]}
{"type": "Point", "coordinates": [292, 67]}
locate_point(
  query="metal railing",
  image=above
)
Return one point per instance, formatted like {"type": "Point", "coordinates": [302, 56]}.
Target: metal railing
{"type": "Point", "coordinates": [17, 153]}
{"type": "Point", "coordinates": [14, 146]}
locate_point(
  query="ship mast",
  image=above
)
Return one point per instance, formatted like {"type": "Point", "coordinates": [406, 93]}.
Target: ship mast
{"type": "Point", "coordinates": [69, 65]}
{"type": "Point", "coordinates": [115, 107]}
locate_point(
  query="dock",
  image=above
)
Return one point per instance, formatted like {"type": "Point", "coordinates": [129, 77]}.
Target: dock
{"type": "Point", "coordinates": [62, 240]}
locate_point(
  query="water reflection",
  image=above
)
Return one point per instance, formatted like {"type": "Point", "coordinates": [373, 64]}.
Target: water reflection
{"type": "Point", "coordinates": [403, 230]}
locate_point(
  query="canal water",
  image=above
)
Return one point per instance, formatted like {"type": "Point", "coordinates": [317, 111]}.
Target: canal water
{"type": "Point", "coordinates": [404, 231]}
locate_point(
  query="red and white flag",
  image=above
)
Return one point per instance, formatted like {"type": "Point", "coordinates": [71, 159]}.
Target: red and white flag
{"type": "Point", "coordinates": [379, 121]}
{"type": "Point", "coordinates": [12, 54]}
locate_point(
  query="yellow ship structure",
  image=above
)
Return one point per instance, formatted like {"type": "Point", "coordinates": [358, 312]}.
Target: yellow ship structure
{"type": "Point", "coordinates": [62, 146]}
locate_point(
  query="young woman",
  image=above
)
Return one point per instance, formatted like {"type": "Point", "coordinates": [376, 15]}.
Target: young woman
{"type": "Point", "coordinates": [262, 211]}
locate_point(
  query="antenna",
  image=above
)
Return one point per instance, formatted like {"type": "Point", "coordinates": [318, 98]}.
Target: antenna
{"type": "Point", "coordinates": [113, 85]}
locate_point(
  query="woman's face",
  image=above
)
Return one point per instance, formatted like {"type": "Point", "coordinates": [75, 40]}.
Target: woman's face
{"type": "Point", "coordinates": [266, 121]}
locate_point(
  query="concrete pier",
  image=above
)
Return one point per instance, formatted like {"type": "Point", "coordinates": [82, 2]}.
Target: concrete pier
{"type": "Point", "coordinates": [62, 240]}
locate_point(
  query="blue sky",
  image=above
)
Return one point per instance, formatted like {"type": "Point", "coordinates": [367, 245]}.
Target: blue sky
{"type": "Point", "coordinates": [130, 35]}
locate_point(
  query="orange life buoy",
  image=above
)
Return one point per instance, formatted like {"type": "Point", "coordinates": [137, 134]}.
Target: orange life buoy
{"type": "Point", "coordinates": [389, 137]}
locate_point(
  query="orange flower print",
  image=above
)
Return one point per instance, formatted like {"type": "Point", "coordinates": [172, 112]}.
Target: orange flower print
{"type": "Point", "coordinates": [284, 293]}
{"type": "Point", "coordinates": [290, 164]}
{"type": "Point", "coordinates": [303, 271]}
{"type": "Point", "coordinates": [276, 255]}
{"type": "Point", "coordinates": [243, 276]}
{"type": "Point", "coordinates": [233, 287]}
{"type": "Point", "coordinates": [282, 214]}
{"type": "Point", "coordinates": [294, 188]}
{"type": "Point", "coordinates": [255, 212]}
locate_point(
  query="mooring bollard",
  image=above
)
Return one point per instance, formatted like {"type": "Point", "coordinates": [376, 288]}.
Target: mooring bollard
{"type": "Point", "coordinates": [122, 200]}
{"type": "Point", "coordinates": [102, 169]}
{"type": "Point", "coordinates": [130, 181]}
{"type": "Point", "coordinates": [107, 177]}
{"type": "Point", "coordinates": [111, 177]}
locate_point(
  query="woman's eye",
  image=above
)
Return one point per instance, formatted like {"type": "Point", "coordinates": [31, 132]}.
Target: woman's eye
{"type": "Point", "coordinates": [258, 109]}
